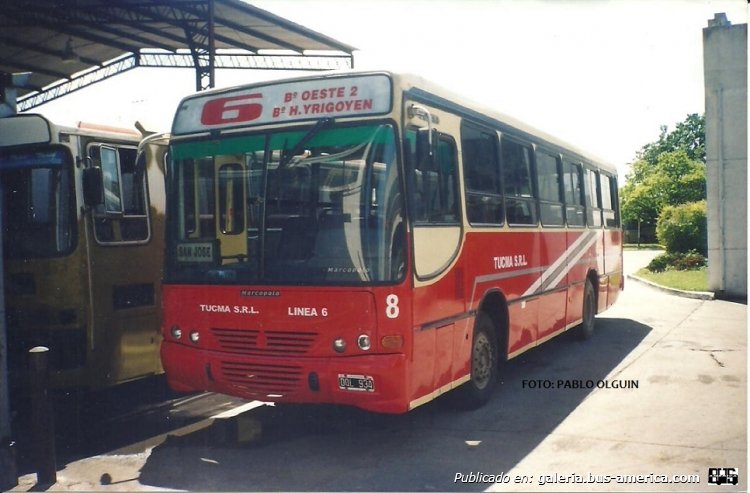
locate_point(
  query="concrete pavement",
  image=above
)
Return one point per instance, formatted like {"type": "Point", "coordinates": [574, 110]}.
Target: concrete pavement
{"type": "Point", "coordinates": [688, 413]}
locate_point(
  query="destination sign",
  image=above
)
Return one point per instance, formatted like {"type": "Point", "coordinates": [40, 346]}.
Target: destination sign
{"type": "Point", "coordinates": [195, 252]}
{"type": "Point", "coordinates": [285, 102]}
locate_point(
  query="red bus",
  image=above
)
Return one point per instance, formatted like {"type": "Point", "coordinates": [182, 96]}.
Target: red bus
{"type": "Point", "coordinates": [368, 239]}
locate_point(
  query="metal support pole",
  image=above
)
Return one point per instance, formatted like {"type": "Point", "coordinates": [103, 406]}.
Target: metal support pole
{"type": "Point", "coordinates": [639, 232]}
{"type": "Point", "coordinates": [8, 467]}
{"type": "Point", "coordinates": [211, 47]}
{"type": "Point", "coordinates": [42, 426]}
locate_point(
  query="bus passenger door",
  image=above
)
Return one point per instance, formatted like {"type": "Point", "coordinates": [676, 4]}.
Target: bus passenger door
{"type": "Point", "coordinates": [549, 178]}
{"type": "Point", "coordinates": [230, 193]}
{"type": "Point", "coordinates": [552, 306]}
{"type": "Point", "coordinates": [432, 177]}
{"type": "Point", "coordinates": [125, 269]}
{"type": "Point", "coordinates": [575, 219]}
{"type": "Point", "coordinates": [612, 237]}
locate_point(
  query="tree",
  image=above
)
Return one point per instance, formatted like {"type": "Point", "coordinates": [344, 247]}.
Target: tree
{"type": "Point", "coordinates": [669, 171]}
{"type": "Point", "coordinates": [682, 228]}
{"type": "Point", "coordinates": [674, 178]}
{"type": "Point", "coordinates": [689, 135]}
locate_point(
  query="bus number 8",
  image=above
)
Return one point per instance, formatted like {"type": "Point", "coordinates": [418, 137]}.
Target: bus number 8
{"type": "Point", "coordinates": [391, 306]}
{"type": "Point", "coordinates": [231, 110]}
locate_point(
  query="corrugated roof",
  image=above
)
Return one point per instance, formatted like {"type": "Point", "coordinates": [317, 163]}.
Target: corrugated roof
{"type": "Point", "coordinates": [59, 39]}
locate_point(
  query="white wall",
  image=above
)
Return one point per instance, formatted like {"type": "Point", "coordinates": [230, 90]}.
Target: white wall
{"type": "Point", "coordinates": [725, 72]}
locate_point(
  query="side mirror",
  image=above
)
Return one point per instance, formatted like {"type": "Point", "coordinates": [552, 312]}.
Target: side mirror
{"type": "Point", "coordinates": [93, 187]}
{"type": "Point", "coordinates": [426, 142]}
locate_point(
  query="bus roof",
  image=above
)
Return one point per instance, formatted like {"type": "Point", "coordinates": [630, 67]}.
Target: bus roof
{"type": "Point", "coordinates": [427, 91]}
{"type": "Point", "coordinates": [416, 87]}
{"type": "Point", "coordinates": [30, 128]}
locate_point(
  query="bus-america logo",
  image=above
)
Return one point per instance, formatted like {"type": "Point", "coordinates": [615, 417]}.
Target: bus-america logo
{"type": "Point", "coordinates": [290, 101]}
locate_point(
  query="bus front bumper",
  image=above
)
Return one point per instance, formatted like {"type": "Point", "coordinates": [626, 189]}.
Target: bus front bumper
{"type": "Point", "coordinates": [375, 382]}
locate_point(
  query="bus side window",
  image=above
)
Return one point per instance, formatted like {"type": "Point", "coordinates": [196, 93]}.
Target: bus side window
{"type": "Point", "coordinates": [615, 199]}
{"type": "Point", "coordinates": [434, 196]}
{"type": "Point", "coordinates": [134, 224]}
{"type": "Point", "coordinates": [608, 201]}
{"type": "Point", "coordinates": [124, 216]}
{"type": "Point", "coordinates": [445, 209]}
{"type": "Point", "coordinates": [197, 215]}
{"type": "Point", "coordinates": [575, 210]}
{"type": "Point", "coordinates": [110, 160]}
{"type": "Point", "coordinates": [520, 204]}
{"type": "Point", "coordinates": [548, 185]}
{"type": "Point", "coordinates": [593, 199]}
{"type": "Point", "coordinates": [484, 199]}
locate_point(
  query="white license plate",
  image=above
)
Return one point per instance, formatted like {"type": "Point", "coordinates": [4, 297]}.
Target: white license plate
{"type": "Point", "coordinates": [357, 383]}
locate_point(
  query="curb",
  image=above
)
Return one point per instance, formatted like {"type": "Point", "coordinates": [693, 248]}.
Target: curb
{"type": "Point", "coordinates": [698, 295]}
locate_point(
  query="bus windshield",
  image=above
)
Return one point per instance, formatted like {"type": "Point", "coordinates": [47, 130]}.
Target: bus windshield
{"type": "Point", "coordinates": [38, 203]}
{"type": "Point", "coordinates": [320, 205]}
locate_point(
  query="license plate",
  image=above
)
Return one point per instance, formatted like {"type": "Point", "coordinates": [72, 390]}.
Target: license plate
{"type": "Point", "coordinates": [357, 383]}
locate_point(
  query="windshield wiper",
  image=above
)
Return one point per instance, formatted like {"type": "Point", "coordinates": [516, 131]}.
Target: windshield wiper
{"type": "Point", "coordinates": [299, 146]}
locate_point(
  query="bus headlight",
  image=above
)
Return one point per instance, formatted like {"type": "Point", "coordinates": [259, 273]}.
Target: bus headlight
{"type": "Point", "coordinates": [364, 343]}
{"type": "Point", "coordinates": [176, 332]}
{"type": "Point", "coordinates": [339, 345]}
{"type": "Point", "coordinates": [195, 336]}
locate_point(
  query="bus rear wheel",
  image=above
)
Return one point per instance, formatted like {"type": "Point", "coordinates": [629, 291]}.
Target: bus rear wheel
{"type": "Point", "coordinates": [586, 329]}
{"type": "Point", "coordinates": [484, 365]}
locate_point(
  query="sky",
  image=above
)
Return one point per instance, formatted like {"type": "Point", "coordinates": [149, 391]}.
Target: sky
{"type": "Point", "coordinates": [603, 75]}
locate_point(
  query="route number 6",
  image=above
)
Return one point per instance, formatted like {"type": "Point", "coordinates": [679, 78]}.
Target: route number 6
{"type": "Point", "coordinates": [231, 110]}
{"type": "Point", "coordinates": [391, 306]}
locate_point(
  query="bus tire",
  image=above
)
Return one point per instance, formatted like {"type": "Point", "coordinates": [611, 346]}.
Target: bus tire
{"type": "Point", "coordinates": [586, 329]}
{"type": "Point", "coordinates": [484, 365]}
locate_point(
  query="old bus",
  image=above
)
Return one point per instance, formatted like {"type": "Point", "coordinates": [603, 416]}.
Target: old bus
{"type": "Point", "coordinates": [83, 216]}
{"type": "Point", "coordinates": [368, 239]}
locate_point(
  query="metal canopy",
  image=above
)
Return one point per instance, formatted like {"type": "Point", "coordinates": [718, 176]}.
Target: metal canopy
{"type": "Point", "coordinates": [69, 44]}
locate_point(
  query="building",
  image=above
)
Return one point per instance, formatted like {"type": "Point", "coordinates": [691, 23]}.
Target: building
{"type": "Point", "coordinates": [725, 78]}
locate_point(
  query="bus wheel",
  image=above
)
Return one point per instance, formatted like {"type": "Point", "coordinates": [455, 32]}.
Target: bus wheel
{"type": "Point", "coordinates": [586, 329]}
{"type": "Point", "coordinates": [484, 365]}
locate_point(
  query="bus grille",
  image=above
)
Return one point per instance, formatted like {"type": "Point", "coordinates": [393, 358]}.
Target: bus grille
{"type": "Point", "coordinates": [264, 343]}
{"type": "Point", "coordinates": [264, 379]}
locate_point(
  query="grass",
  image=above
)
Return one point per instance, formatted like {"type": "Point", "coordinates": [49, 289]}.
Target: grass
{"type": "Point", "coordinates": [687, 280]}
